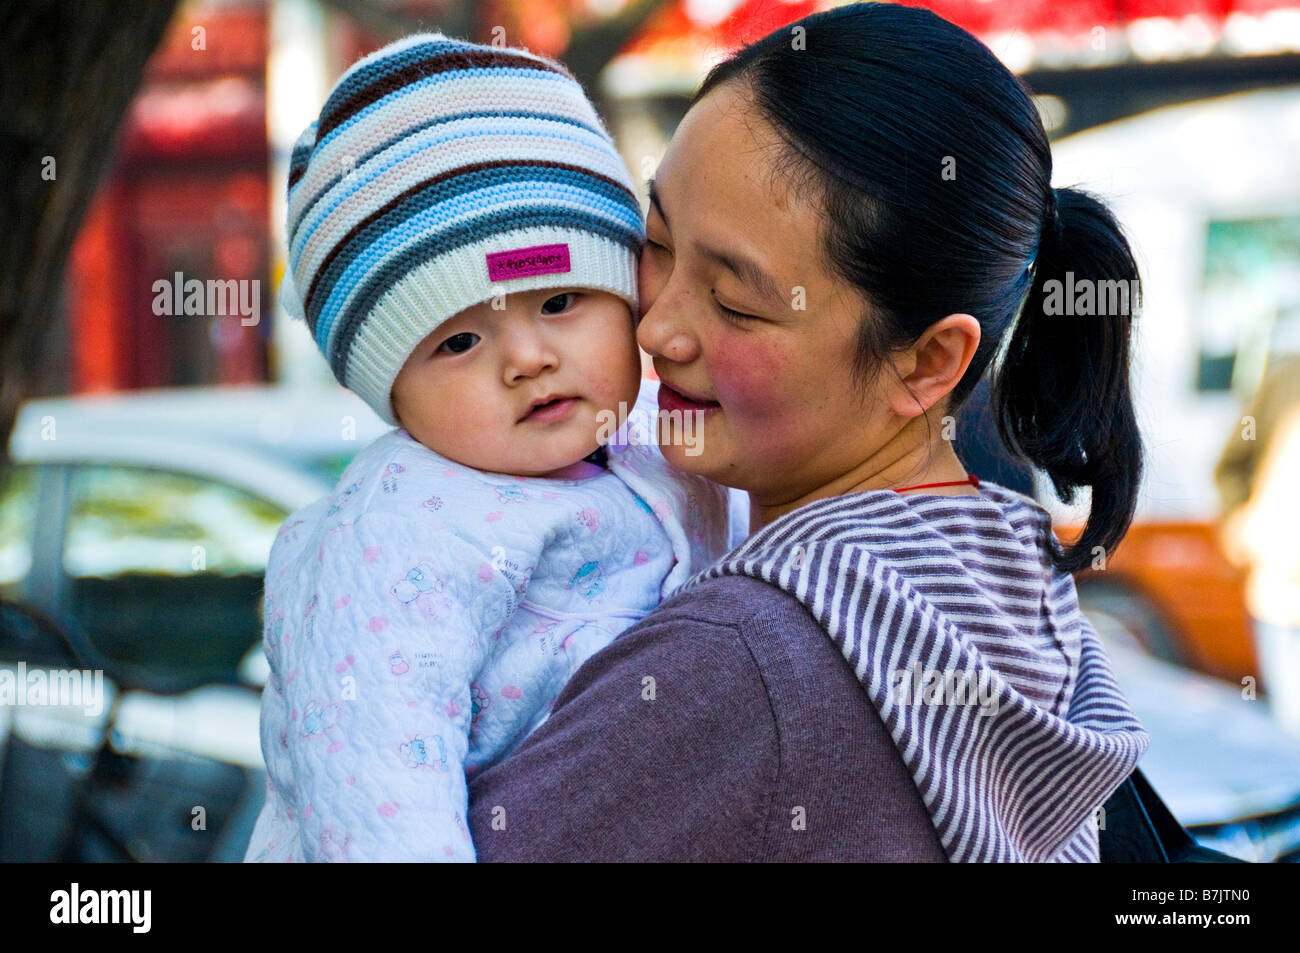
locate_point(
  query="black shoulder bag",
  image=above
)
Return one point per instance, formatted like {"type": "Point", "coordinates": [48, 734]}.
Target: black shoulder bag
{"type": "Point", "coordinates": [1139, 829]}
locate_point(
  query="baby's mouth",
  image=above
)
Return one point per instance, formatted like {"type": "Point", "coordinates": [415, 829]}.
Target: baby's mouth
{"type": "Point", "coordinates": [550, 409]}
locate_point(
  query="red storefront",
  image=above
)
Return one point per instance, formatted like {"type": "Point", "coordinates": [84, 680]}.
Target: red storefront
{"type": "Point", "coordinates": [187, 193]}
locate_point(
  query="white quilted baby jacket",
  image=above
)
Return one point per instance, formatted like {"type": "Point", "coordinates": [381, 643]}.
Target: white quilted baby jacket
{"type": "Point", "coordinates": [420, 621]}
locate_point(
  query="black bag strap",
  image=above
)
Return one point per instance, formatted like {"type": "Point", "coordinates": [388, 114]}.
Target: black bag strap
{"type": "Point", "coordinates": [1140, 829]}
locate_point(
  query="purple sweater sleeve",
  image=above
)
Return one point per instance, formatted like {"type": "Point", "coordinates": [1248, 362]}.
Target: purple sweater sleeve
{"type": "Point", "coordinates": [725, 726]}
{"type": "Point", "coordinates": [629, 767]}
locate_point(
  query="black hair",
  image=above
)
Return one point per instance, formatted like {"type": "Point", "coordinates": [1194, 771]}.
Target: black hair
{"type": "Point", "coordinates": [933, 173]}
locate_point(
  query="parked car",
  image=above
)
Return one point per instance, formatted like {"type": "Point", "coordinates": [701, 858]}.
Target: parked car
{"type": "Point", "coordinates": [1220, 762]}
{"type": "Point", "coordinates": [134, 533]}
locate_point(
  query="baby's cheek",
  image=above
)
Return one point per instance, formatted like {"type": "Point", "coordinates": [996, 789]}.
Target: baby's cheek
{"type": "Point", "coordinates": [608, 390]}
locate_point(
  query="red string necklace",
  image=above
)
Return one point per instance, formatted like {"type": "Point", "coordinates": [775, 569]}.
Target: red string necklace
{"type": "Point", "coordinates": [972, 480]}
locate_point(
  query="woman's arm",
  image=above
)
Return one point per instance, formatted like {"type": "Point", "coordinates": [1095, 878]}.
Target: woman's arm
{"type": "Point", "coordinates": [662, 747]}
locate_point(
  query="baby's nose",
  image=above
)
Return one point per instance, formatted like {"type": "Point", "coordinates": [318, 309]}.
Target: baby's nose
{"type": "Point", "coordinates": [527, 354]}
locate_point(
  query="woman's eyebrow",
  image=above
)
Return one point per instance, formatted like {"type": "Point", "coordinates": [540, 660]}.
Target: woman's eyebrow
{"type": "Point", "coordinates": [749, 272]}
{"type": "Point", "coordinates": [746, 269]}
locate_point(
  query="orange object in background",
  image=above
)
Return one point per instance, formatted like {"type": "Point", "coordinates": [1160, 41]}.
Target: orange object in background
{"type": "Point", "coordinates": [97, 292]}
{"type": "Point", "coordinates": [1177, 571]}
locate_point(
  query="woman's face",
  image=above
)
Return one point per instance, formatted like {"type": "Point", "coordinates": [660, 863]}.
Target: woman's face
{"type": "Point", "coordinates": [779, 413]}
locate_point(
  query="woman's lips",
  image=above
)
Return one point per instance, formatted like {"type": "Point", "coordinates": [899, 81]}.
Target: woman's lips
{"type": "Point", "coordinates": [670, 400]}
{"type": "Point", "coordinates": [552, 412]}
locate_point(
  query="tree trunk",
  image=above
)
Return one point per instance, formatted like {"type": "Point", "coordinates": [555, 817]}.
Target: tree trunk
{"type": "Point", "coordinates": [70, 71]}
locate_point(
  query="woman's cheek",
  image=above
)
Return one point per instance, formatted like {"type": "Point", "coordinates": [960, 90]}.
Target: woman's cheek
{"type": "Point", "coordinates": [753, 378]}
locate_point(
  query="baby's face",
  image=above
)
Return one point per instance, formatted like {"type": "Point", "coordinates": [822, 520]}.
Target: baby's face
{"type": "Point", "coordinates": [468, 391]}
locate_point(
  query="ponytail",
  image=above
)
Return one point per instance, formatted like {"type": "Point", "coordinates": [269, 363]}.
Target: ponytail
{"type": "Point", "coordinates": [1061, 395]}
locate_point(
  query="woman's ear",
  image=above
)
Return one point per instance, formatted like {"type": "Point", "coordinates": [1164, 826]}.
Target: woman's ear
{"type": "Point", "coordinates": [933, 366]}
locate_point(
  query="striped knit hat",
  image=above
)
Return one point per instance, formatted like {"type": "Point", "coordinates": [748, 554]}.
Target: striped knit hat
{"type": "Point", "coordinates": [438, 175]}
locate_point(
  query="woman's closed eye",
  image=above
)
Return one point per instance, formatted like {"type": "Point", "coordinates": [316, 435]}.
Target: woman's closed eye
{"type": "Point", "coordinates": [458, 343]}
{"type": "Point", "coordinates": [733, 315]}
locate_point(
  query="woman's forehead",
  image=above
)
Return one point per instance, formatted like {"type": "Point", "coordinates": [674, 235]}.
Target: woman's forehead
{"type": "Point", "coordinates": [723, 181]}
{"type": "Point", "coordinates": [724, 142]}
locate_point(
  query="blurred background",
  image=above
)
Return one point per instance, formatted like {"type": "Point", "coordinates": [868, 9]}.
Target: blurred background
{"type": "Point", "coordinates": [152, 454]}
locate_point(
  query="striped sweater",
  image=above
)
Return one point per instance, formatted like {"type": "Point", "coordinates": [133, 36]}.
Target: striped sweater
{"type": "Point", "coordinates": [972, 648]}
{"type": "Point", "coordinates": [877, 676]}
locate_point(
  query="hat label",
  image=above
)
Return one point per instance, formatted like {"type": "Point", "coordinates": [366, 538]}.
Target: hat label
{"type": "Point", "coordinates": [522, 262]}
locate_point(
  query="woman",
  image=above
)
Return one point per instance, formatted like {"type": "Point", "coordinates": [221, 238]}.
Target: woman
{"type": "Point", "coordinates": [842, 233]}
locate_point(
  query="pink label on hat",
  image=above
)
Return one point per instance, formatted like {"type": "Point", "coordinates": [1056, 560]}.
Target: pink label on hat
{"type": "Point", "coordinates": [522, 262]}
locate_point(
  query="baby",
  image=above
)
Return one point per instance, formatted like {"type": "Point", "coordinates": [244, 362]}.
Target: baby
{"type": "Point", "coordinates": [462, 244]}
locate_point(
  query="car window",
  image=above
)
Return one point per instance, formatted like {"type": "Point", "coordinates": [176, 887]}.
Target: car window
{"type": "Point", "coordinates": [125, 519]}
{"type": "Point", "coordinates": [164, 569]}
{"type": "Point", "coordinates": [17, 511]}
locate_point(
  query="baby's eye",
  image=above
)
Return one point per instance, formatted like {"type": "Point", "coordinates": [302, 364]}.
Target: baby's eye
{"type": "Point", "coordinates": [558, 303]}
{"type": "Point", "coordinates": [458, 343]}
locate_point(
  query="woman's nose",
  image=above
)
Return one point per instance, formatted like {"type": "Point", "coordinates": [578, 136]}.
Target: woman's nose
{"type": "Point", "coordinates": [664, 332]}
